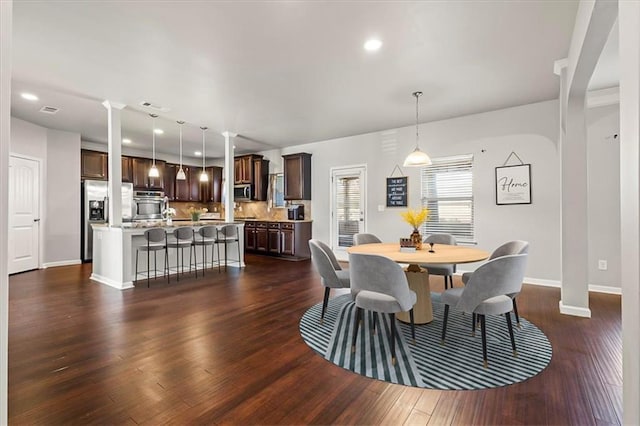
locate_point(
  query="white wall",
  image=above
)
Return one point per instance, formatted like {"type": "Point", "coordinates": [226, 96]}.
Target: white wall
{"type": "Point", "coordinates": [531, 131]}
{"type": "Point", "coordinates": [62, 213]}
{"type": "Point", "coordinates": [60, 185]}
{"type": "Point", "coordinates": [603, 163]}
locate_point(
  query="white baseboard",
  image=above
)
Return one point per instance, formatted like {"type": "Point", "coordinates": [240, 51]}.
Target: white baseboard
{"type": "Point", "coordinates": [605, 289]}
{"type": "Point", "coordinates": [61, 263]}
{"type": "Point", "coordinates": [111, 283]}
{"type": "Point", "coordinates": [574, 310]}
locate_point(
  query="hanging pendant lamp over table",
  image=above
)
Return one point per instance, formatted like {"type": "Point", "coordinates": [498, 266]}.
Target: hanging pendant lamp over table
{"type": "Point", "coordinates": [180, 175]}
{"type": "Point", "coordinates": [153, 171]}
{"type": "Point", "coordinates": [417, 158]}
{"type": "Point", "coordinates": [203, 175]}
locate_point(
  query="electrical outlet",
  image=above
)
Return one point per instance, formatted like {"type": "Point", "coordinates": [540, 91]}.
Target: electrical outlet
{"type": "Point", "coordinates": [602, 265]}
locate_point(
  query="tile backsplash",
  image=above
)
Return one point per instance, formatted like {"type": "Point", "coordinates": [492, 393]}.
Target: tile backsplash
{"type": "Point", "coordinates": [255, 209]}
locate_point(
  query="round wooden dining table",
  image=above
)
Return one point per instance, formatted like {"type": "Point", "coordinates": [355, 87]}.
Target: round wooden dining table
{"type": "Point", "coordinates": [417, 276]}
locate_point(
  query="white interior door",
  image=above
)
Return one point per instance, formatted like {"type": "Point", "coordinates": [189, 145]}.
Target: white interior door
{"type": "Point", "coordinates": [348, 216]}
{"type": "Point", "coordinates": [24, 214]}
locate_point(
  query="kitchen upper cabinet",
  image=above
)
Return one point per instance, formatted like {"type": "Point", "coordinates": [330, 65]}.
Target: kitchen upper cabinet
{"type": "Point", "coordinates": [212, 190]}
{"type": "Point", "coordinates": [141, 179]}
{"type": "Point", "coordinates": [94, 165]}
{"type": "Point", "coordinates": [127, 172]}
{"type": "Point", "coordinates": [297, 176]}
{"type": "Point", "coordinates": [194, 183]}
{"type": "Point", "coordinates": [244, 169]}
{"type": "Point", "coordinates": [260, 179]}
{"type": "Point", "coordinates": [183, 187]}
{"type": "Point", "coordinates": [169, 178]}
{"type": "Point", "coordinates": [254, 170]}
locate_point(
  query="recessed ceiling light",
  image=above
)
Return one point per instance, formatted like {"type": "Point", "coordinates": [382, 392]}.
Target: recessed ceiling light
{"type": "Point", "coordinates": [372, 45]}
{"type": "Point", "coordinates": [197, 153]}
{"type": "Point", "coordinates": [158, 131]}
{"type": "Point", "coordinates": [29, 96]}
{"type": "Point", "coordinates": [126, 140]}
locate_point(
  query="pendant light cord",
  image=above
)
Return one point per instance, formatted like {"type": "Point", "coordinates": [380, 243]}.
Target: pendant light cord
{"type": "Point", "coordinates": [417, 95]}
{"type": "Point", "coordinates": [153, 137]}
{"type": "Point", "coordinates": [203, 149]}
{"type": "Point", "coordinates": [180, 123]}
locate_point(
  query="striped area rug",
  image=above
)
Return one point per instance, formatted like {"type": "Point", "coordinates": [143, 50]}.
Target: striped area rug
{"type": "Point", "coordinates": [427, 363]}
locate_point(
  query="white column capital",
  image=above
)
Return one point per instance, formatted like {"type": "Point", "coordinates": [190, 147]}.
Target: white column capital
{"type": "Point", "coordinates": [110, 104]}
{"type": "Point", "coordinates": [559, 65]}
{"type": "Point", "coordinates": [228, 134]}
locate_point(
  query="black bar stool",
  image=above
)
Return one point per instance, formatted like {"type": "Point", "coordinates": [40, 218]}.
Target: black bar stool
{"type": "Point", "coordinates": [183, 238]}
{"type": "Point", "coordinates": [227, 234]}
{"type": "Point", "coordinates": [206, 237]}
{"type": "Point", "coordinates": [156, 239]}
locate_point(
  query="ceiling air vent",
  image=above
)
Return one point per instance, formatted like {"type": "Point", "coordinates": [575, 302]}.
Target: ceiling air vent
{"type": "Point", "coordinates": [49, 109]}
{"type": "Point", "coordinates": [154, 107]}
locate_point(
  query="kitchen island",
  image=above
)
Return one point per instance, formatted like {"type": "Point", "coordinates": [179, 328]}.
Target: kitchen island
{"type": "Point", "coordinates": [114, 251]}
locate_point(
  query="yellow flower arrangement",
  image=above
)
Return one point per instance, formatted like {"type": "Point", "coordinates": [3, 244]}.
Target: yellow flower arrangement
{"type": "Point", "coordinates": [195, 212]}
{"type": "Point", "coordinates": [415, 218]}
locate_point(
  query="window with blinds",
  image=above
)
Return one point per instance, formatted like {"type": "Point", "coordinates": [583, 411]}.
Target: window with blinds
{"type": "Point", "coordinates": [347, 209]}
{"type": "Point", "coordinates": [447, 191]}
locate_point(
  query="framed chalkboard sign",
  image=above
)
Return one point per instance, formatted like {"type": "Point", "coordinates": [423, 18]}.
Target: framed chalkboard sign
{"type": "Point", "coordinates": [397, 191]}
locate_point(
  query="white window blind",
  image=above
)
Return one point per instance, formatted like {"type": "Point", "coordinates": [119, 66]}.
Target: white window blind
{"type": "Point", "coordinates": [447, 191]}
{"type": "Point", "coordinates": [347, 209]}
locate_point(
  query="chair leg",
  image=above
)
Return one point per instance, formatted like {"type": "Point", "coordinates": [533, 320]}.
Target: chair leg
{"type": "Point", "coordinates": [325, 301]}
{"type": "Point", "coordinates": [483, 329]}
{"type": "Point", "coordinates": [238, 244]}
{"type": "Point", "coordinates": [204, 258]}
{"type": "Point", "coordinates": [392, 318]}
{"type": "Point", "coordinates": [413, 326]}
{"type": "Point", "coordinates": [444, 323]}
{"type": "Point", "coordinates": [374, 322]}
{"type": "Point", "coordinates": [226, 255]}
{"type": "Point", "coordinates": [135, 278]}
{"type": "Point", "coordinates": [513, 340]}
{"type": "Point", "coordinates": [166, 265]}
{"type": "Point", "coordinates": [446, 283]}
{"type": "Point", "coordinates": [148, 265]}
{"type": "Point", "coordinates": [178, 264]}
{"type": "Point", "coordinates": [515, 311]}
{"type": "Point", "coordinates": [355, 328]}
{"type": "Point", "coordinates": [219, 270]}
{"type": "Point", "coordinates": [473, 325]}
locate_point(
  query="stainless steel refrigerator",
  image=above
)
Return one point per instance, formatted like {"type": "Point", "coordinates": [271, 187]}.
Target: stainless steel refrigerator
{"type": "Point", "coordinates": [95, 207]}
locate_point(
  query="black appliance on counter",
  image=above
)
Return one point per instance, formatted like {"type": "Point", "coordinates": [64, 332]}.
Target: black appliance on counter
{"type": "Point", "coordinates": [296, 212]}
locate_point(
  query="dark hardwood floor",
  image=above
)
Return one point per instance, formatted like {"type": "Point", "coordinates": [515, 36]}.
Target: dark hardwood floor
{"type": "Point", "coordinates": [225, 349]}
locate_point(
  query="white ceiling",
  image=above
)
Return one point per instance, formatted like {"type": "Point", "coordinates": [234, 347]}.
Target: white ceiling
{"type": "Point", "coordinates": [280, 73]}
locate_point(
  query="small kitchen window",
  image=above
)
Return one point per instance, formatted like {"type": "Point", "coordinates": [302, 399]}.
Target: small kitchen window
{"type": "Point", "coordinates": [276, 190]}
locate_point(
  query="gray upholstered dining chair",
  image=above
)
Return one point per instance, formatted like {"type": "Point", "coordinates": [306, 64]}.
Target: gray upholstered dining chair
{"type": "Point", "coordinates": [182, 238]}
{"type": "Point", "coordinates": [511, 247]}
{"type": "Point", "coordinates": [446, 270]}
{"type": "Point", "coordinates": [380, 285]}
{"type": "Point", "coordinates": [332, 274]}
{"type": "Point", "coordinates": [487, 293]}
{"type": "Point", "coordinates": [362, 238]}
{"type": "Point", "coordinates": [155, 241]}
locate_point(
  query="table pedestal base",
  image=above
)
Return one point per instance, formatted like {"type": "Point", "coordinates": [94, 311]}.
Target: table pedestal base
{"type": "Point", "coordinates": [418, 279]}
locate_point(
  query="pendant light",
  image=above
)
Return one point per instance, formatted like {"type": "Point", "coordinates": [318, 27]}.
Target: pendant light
{"type": "Point", "coordinates": [153, 171]}
{"type": "Point", "coordinates": [203, 175]}
{"type": "Point", "coordinates": [417, 158]}
{"type": "Point", "coordinates": [181, 175]}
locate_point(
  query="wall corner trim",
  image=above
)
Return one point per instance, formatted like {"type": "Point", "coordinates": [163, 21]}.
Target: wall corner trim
{"type": "Point", "coordinates": [574, 310]}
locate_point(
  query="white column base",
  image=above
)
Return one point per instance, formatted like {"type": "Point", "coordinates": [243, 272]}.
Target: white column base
{"type": "Point", "coordinates": [574, 310]}
{"type": "Point", "coordinates": [111, 283]}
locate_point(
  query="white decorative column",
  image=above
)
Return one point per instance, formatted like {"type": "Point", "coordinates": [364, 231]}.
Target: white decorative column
{"type": "Point", "coordinates": [593, 24]}
{"type": "Point", "coordinates": [629, 21]}
{"type": "Point", "coordinates": [114, 127]}
{"type": "Point", "coordinates": [229, 177]}
{"type": "Point", "coordinates": [6, 21]}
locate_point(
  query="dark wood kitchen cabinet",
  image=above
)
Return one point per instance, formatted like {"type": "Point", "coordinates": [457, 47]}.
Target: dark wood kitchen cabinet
{"type": "Point", "coordinates": [127, 172]}
{"type": "Point", "coordinates": [141, 180]}
{"type": "Point", "coordinates": [169, 178]}
{"type": "Point", "coordinates": [274, 238]}
{"type": "Point", "coordinates": [254, 170]}
{"type": "Point", "coordinates": [243, 169]}
{"type": "Point", "coordinates": [287, 239]}
{"type": "Point", "coordinates": [297, 176]}
{"type": "Point", "coordinates": [262, 237]}
{"type": "Point", "coordinates": [212, 190]}
{"type": "Point", "coordinates": [94, 165]}
{"type": "Point", "coordinates": [250, 236]}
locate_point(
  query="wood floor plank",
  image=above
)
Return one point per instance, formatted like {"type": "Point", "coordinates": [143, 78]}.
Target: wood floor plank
{"type": "Point", "coordinates": [226, 349]}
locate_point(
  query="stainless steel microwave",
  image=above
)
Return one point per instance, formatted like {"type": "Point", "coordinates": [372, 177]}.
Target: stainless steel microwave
{"type": "Point", "coordinates": [242, 192]}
